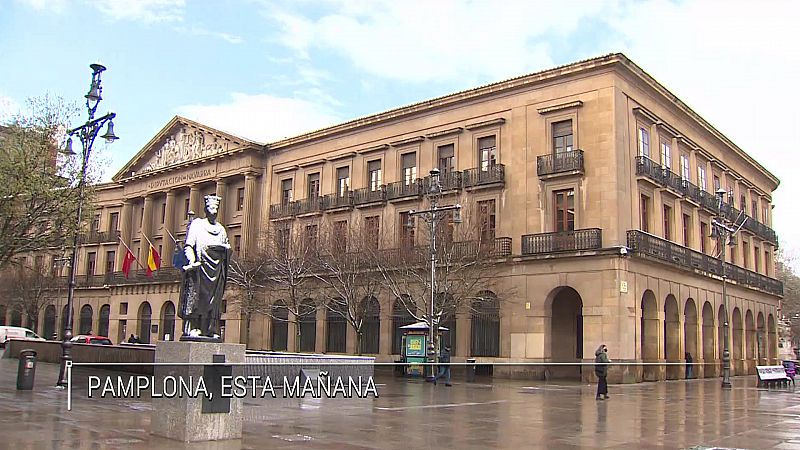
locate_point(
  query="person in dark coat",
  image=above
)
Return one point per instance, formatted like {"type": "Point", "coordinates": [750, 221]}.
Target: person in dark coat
{"type": "Point", "coordinates": [689, 362]}
{"type": "Point", "coordinates": [601, 362]}
{"type": "Point", "coordinates": [444, 371]}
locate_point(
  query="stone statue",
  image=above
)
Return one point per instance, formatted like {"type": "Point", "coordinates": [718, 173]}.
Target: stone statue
{"type": "Point", "coordinates": [207, 252]}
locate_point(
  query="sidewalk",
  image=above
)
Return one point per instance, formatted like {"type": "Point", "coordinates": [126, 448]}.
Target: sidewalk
{"type": "Point", "coordinates": [417, 415]}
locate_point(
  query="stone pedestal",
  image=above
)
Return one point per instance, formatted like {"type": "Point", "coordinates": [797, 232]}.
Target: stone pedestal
{"type": "Point", "coordinates": [183, 419]}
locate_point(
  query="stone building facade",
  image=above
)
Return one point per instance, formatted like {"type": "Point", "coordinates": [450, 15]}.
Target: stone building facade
{"type": "Point", "coordinates": [597, 181]}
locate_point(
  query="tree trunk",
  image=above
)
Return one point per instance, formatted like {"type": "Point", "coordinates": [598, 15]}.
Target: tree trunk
{"type": "Point", "coordinates": [247, 317]}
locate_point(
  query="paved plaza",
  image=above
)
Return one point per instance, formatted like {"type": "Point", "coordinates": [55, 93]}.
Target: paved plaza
{"type": "Point", "coordinates": [412, 414]}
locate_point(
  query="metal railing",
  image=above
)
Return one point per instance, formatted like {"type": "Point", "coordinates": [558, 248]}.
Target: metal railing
{"type": "Point", "coordinates": [366, 195]}
{"type": "Point", "coordinates": [707, 200]}
{"type": "Point", "coordinates": [335, 201]}
{"type": "Point", "coordinates": [309, 205]}
{"type": "Point", "coordinates": [281, 210]}
{"type": "Point", "coordinates": [645, 244]}
{"type": "Point", "coordinates": [450, 180]}
{"type": "Point", "coordinates": [563, 241]}
{"type": "Point", "coordinates": [401, 189]}
{"type": "Point", "coordinates": [559, 162]}
{"type": "Point", "coordinates": [96, 237]}
{"type": "Point", "coordinates": [495, 173]}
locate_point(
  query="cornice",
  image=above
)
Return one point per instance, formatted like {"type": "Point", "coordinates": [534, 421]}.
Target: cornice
{"type": "Point", "coordinates": [287, 169]}
{"type": "Point", "coordinates": [485, 123]}
{"type": "Point", "coordinates": [408, 141]}
{"type": "Point", "coordinates": [560, 107]}
{"type": "Point", "coordinates": [438, 134]}
{"type": "Point", "coordinates": [373, 149]}
{"type": "Point", "coordinates": [315, 162]}
{"type": "Point", "coordinates": [343, 156]}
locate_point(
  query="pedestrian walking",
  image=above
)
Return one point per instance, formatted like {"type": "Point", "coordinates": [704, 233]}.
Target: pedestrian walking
{"type": "Point", "coordinates": [444, 369]}
{"type": "Point", "coordinates": [689, 361]}
{"type": "Point", "coordinates": [601, 362]}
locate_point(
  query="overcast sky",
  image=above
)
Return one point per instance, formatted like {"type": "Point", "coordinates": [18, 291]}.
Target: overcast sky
{"type": "Point", "coordinates": [266, 70]}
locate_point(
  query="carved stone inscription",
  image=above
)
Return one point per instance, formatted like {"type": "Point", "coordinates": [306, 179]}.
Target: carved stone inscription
{"type": "Point", "coordinates": [185, 145]}
{"type": "Point", "coordinates": [170, 181]}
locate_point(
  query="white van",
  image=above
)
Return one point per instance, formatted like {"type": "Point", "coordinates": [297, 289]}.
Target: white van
{"type": "Point", "coordinates": [7, 333]}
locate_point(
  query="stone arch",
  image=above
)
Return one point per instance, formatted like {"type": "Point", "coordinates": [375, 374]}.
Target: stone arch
{"type": "Point", "coordinates": [485, 337]}
{"type": "Point", "coordinates": [307, 324]}
{"type": "Point", "coordinates": [708, 339]}
{"type": "Point", "coordinates": [167, 330]}
{"type": "Point", "coordinates": [16, 316]}
{"type": "Point", "coordinates": [371, 329]}
{"type": "Point", "coordinates": [650, 332]}
{"type": "Point", "coordinates": [85, 322]}
{"type": "Point", "coordinates": [564, 306]}
{"type": "Point", "coordinates": [761, 339]}
{"type": "Point", "coordinates": [672, 336]}
{"type": "Point", "coordinates": [772, 347]}
{"type": "Point", "coordinates": [750, 341]}
{"type": "Point", "coordinates": [49, 326]}
{"type": "Point", "coordinates": [336, 328]}
{"type": "Point", "coordinates": [145, 319]}
{"type": "Point", "coordinates": [690, 338]}
{"type": "Point", "coordinates": [279, 326]}
{"type": "Point", "coordinates": [737, 329]}
{"type": "Point", "coordinates": [104, 320]}
{"type": "Point", "coordinates": [401, 317]}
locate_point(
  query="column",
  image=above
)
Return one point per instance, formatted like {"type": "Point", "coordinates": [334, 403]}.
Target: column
{"type": "Point", "coordinates": [125, 226]}
{"type": "Point", "coordinates": [221, 190]}
{"type": "Point", "coordinates": [248, 217]}
{"type": "Point", "coordinates": [195, 202]}
{"type": "Point", "coordinates": [147, 226]}
{"type": "Point", "coordinates": [169, 226]}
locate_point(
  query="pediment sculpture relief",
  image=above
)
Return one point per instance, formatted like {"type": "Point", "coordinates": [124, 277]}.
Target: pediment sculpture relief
{"type": "Point", "coordinates": [185, 146]}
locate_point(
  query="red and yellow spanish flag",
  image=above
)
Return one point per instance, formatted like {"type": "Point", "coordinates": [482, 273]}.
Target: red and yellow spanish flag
{"type": "Point", "coordinates": [153, 261]}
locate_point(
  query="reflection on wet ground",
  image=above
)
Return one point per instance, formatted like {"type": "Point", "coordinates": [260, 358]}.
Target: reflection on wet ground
{"type": "Point", "coordinates": [415, 415]}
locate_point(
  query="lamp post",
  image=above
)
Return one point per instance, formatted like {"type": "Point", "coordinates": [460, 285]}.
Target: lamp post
{"type": "Point", "coordinates": [432, 216]}
{"type": "Point", "coordinates": [86, 133]}
{"type": "Point", "coordinates": [723, 232]}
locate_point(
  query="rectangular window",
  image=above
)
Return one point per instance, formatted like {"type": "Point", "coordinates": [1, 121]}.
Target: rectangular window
{"type": "Point", "coordinates": [113, 222]}
{"type": "Point", "coordinates": [313, 185]}
{"type": "Point", "coordinates": [717, 183]}
{"type": "Point", "coordinates": [163, 212]}
{"type": "Point", "coordinates": [286, 191]}
{"type": "Point", "coordinates": [765, 214]}
{"type": "Point", "coordinates": [564, 208]}
{"type": "Point", "coordinates": [746, 254]}
{"type": "Point", "coordinates": [141, 217]}
{"type": "Point", "coordinates": [487, 152]}
{"type": "Point", "coordinates": [767, 265]}
{"type": "Point", "coordinates": [703, 237]}
{"type": "Point", "coordinates": [407, 228]}
{"type": "Point", "coordinates": [340, 236]}
{"type": "Point", "coordinates": [312, 232]}
{"type": "Point", "coordinates": [38, 262]}
{"type": "Point", "coordinates": [666, 155]}
{"type": "Point", "coordinates": [342, 181]}
{"type": "Point", "coordinates": [111, 259]}
{"type": "Point", "coordinates": [409, 164]}
{"type": "Point", "coordinates": [240, 199]}
{"type": "Point", "coordinates": [237, 243]}
{"type": "Point", "coordinates": [447, 158]}
{"type": "Point", "coordinates": [685, 167]}
{"type": "Point", "coordinates": [96, 222]}
{"type": "Point", "coordinates": [756, 258]}
{"type": "Point", "coordinates": [644, 219]}
{"type": "Point", "coordinates": [687, 227]}
{"type": "Point", "coordinates": [562, 136]}
{"type": "Point", "coordinates": [374, 175]}
{"type": "Point", "coordinates": [91, 262]}
{"type": "Point", "coordinates": [283, 239]}
{"type": "Point", "coordinates": [701, 178]}
{"type": "Point", "coordinates": [487, 220]}
{"type": "Point", "coordinates": [644, 142]}
{"type": "Point", "coordinates": [186, 208]}
{"type": "Point", "coordinates": [667, 222]}
{"type": "Point", "coordinates": [754, 209]}
{"type": "Point", "coordinates": [123, 308]}
{"type": "Point", "coordinates": [372, 229]}
{"type": "Point", "coordinates": [743, 203]}
{"type": "Point", "coordinates": [730, 194]}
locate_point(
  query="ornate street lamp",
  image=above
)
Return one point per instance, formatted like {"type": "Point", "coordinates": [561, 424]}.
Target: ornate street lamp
{"type": "Point", "coordinates": [724, 233]}
{"type": "Point", "coordinates": [86, 133]}
{"type": "Point", "coordinates": [432, 216]}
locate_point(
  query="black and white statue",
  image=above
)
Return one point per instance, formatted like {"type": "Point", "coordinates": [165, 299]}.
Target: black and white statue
{"type": "Point", "coordinates": [207, 252]}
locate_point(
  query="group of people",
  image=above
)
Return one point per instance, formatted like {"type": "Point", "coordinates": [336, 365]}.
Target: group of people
{"type": "Point", "coordinates": [134, 339]}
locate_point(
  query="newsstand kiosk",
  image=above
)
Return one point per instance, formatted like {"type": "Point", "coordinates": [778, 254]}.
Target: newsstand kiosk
{"type": "Point", "coordinates": [415, 345]}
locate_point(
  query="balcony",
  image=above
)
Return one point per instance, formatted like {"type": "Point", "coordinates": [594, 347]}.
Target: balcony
{"type": "Point", "coordinates": [335, 201]}
{"type": "Point", "coordinates": [139, 276]}
{"type": "Point", "coordinates": [477, 177]}
{"type": "Point", "coordinates": [402, 190]}
{"type": "Point", "coordinates": [644, 244]}
{"type": "Point", "coordinates": [459, 252]}
{"type": "Point", "coordinates": [563, 241]}
{"type": "Point", "coordinates": [282, 210]}
{"type": "Point", "coordinates": [309, 205]}
{"type": "Point", "coordinates": [695, 194]}
{"type": "Point", "coordinates": [97, 237]}
{"type": "Point", "coordinates": [365, 196]}
{"type": "Point", "coordinates": [450, 181]}
{"type": "Point", "coordinates": [565, 163]}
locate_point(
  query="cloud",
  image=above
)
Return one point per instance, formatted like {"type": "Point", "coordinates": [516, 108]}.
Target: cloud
{"type": "Point", "coordinates": [8, 108]}
{"type": "Point", "coordinates": [148, 11]}
{"type": "Point", "coordinates": [196, 30]}
{"type": "Point", "coordinates": [262, 117]}
{"type": "Point", "coordinates": [55, 6]}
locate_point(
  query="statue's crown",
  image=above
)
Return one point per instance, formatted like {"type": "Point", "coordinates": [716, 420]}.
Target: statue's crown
{"type": "Point", "coordinates": [212, 200]}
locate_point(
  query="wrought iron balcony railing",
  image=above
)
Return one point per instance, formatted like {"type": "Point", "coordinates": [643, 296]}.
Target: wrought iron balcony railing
{"type": "Point", "coordinates": [563, 241]}
{"type": "Point", "coordinates": [450, 181]}
{"type": "Point", "coordinates": [641, 243]}
{"type": "Point", "coordinates": [97, 237]}
{"type": "Point", "coordinates": [401, 189]}
{"type": "Point", "coordinates": [707, 200]}
{"type": "Point", "coordinates": [138, 276]}
{"type": "Point", "coordinates": [367, 195]}
{"type": "Point", "coordinates": [563, 162]}
{"type": "Point", "coordinates": [492, 174]}
{"type": "Point", "coordinates": [336, 201]}
{"type": "Point", "coordinates": [309, 205]}
{"type": "Point", "coordinates": [281, 210]}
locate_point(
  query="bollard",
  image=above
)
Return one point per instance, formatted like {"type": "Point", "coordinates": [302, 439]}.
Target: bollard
{"type": "Point", "coordinates": [470, 367]}
{"type": "Point", "coordinates": [26, 370]}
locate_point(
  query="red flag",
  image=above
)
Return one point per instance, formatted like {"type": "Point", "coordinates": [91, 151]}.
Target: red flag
{"type": "Point", "coordinates": [153, 261]}
{"type": "Point", "coordinates": [127, 262]}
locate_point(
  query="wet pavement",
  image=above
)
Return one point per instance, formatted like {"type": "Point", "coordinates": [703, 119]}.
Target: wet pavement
{"type": "Point", "coordinates": [416, 415]}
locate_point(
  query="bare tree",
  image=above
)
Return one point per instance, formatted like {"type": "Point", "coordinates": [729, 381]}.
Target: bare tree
{"type": "Point", "coordinates": [28, 291]}
{"type": "Point", "coordinates": [248, 277]}
{"type": "Point", "coordinates": [38, 188]}
{"type": "Point", "coordinates": [351, 284]}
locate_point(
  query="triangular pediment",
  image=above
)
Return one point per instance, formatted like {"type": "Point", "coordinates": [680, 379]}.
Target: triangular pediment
{"type": "Point", "coordinates": [180, 142]}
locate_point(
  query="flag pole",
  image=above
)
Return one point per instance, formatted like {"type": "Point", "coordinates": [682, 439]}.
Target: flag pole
{"type": "Point", "coordinates": [152, 247]}
{"type": "Point", "coordinates": [173, 237]}
{"type": "Point", "coordinates": [129, 249]}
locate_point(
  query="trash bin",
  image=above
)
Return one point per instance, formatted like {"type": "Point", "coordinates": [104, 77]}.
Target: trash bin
{"type": "Point", "coordinates": [470, 368]}
{"type": "Point", "coordinates": [26, 370]}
